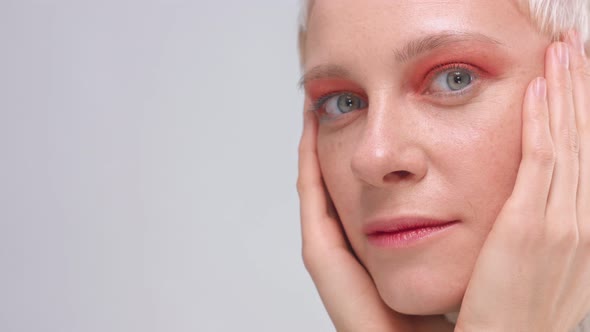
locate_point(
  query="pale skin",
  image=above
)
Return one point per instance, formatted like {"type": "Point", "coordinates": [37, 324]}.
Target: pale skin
{"type": "Point", "coordinates": [523, 163]}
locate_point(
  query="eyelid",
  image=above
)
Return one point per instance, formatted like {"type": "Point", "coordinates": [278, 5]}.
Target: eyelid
{"type": "Point", "coordinates": [439, 69]}
{"type": "Point", "coordinates": [319, 103]}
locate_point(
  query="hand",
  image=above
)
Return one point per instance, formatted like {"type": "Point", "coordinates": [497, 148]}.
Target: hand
{"type": "Point", "coordinates": [346, 288]}
{"type": "Point", "coordinates": [533, 272]}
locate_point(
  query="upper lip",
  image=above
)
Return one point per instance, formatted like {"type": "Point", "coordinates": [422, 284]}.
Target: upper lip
{"type": "Point", "coordinates": [398, 224]}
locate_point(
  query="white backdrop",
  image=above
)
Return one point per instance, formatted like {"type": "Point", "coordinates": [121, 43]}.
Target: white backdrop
{"type": "Point", "coordinates": [148, 167]}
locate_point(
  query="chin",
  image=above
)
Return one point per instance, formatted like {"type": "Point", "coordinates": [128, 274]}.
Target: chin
{"type": "Point", "coordinates": [415, 293]}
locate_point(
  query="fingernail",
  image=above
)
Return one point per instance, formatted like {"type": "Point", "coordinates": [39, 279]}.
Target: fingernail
{"type": "Point", "coordinates": [562, 53]}
{"type": "Point", "coordinates": [575, 39]}
{"type": "Point", "coordinates": [540, 88]}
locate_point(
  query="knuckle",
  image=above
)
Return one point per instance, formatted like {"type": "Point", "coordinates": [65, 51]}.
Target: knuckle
{"type": "Point", "coordinates": [309, 260]}
{"type": "Point", "coordinates": [512, 209]}
{"type": "Point", "coordinates": [301, 149]}
{"type": "Point", "coordinates": [543, 154]}
{"type": "Point", "coordinates": [583, 136]}
{"type": "Point", "coordinates": [308, 185]}
{"type": "Point", "coordinates": [538, 116]}
{"type": "Point", "coordinates": [301, 186]}
{"type": "Point", "coordinates": [524, 234]}
{"type": "Point", "coordinates": [585, 239]}
{"type": "Point", "coordinates": [572, 140]}
{"type": "Point", "coordinates": [521, 222]}
{"type": "Point", "coordinates": [583, 68]}
{"type": "Point", "coordinates": [522, 237]}
{"type": "Point", "coordinates": [563, 238]}
{"type": "Point", "coordinates": [565, 86]}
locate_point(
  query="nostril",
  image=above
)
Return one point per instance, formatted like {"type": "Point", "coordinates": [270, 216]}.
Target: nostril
{"type": "Point", "coordinates": [397, 175]}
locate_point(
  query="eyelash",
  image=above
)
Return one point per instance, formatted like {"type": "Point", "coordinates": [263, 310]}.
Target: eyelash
{"type": "Point", "coordinates": [439, 69]}
{"type": "Point", "coordinates": [319, 103]}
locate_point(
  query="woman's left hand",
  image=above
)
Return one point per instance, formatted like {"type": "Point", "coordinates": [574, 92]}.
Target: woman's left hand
{"type": "Point", "coordinates": [533, 272]}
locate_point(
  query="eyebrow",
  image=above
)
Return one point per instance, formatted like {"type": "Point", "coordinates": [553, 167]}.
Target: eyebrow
{"type": "Point", "coordinates": [322, 72]}
{"type": "Point", "coordinates": [412, 49]}
{"type": "Point", "coordinates": [431, 42]}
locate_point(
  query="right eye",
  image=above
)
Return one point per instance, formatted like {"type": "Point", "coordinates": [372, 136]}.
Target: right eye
{"type": "Point", "coordinates": [342, 103]}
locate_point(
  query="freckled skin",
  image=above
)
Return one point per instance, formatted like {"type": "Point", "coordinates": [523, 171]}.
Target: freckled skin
{"type": "Point", "coordinates": [460, 161]}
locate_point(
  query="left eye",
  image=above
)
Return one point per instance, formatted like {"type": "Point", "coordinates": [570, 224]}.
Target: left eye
{"type": "Point", "coordinates": [343, 103]}
{"type": "Point", "coordinates": [454, 79]}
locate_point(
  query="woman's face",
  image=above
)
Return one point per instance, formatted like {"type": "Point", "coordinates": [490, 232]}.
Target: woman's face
{"type": "Point", "coordinates": [420, 116]}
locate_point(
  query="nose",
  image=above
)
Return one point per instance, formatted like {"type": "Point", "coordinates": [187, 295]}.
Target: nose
{"type": "Point", "coordinates": [393, 148]}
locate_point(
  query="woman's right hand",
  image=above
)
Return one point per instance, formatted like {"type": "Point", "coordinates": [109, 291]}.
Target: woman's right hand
{"type": "Point", "coordinates": [345, 287]}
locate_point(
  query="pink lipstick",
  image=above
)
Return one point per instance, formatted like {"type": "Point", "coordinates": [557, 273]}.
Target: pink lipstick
{"type": "Point", "coordinates": [405, 231]}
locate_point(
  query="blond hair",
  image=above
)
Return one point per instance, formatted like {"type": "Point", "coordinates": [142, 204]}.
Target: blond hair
{"type": "Point", "coordinates": [551, 17]}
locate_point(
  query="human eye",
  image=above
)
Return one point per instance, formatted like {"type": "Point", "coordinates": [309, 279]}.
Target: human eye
{"type": "Point", "coordinates": [451, 80]}
{"type": "Point", "coordinates": [337, 104]}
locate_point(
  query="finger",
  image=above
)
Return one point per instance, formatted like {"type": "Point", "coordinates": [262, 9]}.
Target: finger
{"type": "Point", "coordinates": [580, 72]}
{"type": "Point", "coordinates": [534, 175]}
{"type": "Point", "coordinates": [561, 204]}
{"type": "Point", "coordinates": [309, 184]}
{"type": "Point", "coordinates": [317, 226]}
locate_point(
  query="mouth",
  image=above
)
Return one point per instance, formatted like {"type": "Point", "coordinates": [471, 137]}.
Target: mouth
{"type": "Point", "coordinates": [406, 231]}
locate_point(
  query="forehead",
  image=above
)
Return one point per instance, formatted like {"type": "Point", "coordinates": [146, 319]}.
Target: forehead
{"type": "Point", "coordinates": [361, 29]}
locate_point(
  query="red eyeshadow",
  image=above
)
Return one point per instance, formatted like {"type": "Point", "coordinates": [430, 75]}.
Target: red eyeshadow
{"type": "Point", "coordinates": [321, 87]}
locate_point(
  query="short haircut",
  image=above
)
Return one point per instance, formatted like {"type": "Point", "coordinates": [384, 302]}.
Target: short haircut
{"type": "Point", "coordinates": [551, 17]}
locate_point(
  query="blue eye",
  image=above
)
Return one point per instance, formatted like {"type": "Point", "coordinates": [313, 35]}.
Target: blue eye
{"type": "Point", "coordinates": [341, 103]}
{"type": "Point", "coordinates": [451, 80]}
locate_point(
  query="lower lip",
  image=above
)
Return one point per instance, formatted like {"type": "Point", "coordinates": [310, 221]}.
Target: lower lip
{"type": "Point", "coordinates": [409, 237]}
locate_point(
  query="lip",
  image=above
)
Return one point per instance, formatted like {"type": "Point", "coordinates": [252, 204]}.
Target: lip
{"type": "Point", "coordinates": [404, 232]}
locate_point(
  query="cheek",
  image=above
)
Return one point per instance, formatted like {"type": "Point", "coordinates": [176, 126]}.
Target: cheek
{"type": "Point", "coordinates": [329, 151]}
{"type": "Point", "coordinates": [331, 157]}
{"type": "Point", "coordinates": [334, 153]}
{"type": "Point", "coordinates": [492, 163]}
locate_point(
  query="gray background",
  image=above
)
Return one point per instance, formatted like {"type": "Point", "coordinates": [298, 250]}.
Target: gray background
{"type": "Point", "coordinates": [148, 167]}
